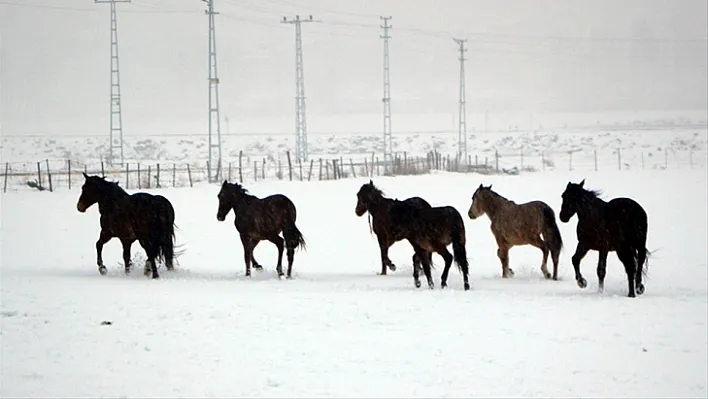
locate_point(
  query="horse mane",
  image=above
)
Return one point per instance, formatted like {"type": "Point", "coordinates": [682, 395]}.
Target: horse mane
{"type": "Point", "coordinates": [112, 187]}
{"type": "Point", "coordinates": [496, 194]}
{"type": "Point", "coordinates": [375, 190]}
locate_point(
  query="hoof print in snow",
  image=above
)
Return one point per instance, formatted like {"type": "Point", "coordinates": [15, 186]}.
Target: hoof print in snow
{"type": "Point", "coordinates": [106, 323]}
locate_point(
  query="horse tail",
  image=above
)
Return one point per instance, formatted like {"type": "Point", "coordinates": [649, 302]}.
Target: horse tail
{"type": "Point", "coordinates": [293, 236]}
{"type": "Point", "coordinates": [551, 233]}
{"type": "Point", "coordinates": [162, 231]}
{"type": "Point", "coordinates": [459, 241]}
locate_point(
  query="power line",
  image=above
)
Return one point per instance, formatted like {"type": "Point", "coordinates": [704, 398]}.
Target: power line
{"type": "Point", "coordinates": [300, 113]}
{"type": "Point", "coordinates": [387, 139]}
{"type": "Point", "coordinates": [214, 116]}
{"type": "Point", "coordinates": [462, 133]}
{"type": "Point", "coordinates": [115, 116]}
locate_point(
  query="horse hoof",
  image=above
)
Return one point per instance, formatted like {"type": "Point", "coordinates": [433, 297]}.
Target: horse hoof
{"type": "Point", "coordinates": [431, 286]}
{"type": "Point", "coordinates": [154, 276]}
{"type": "Point", "coordinates": [392, 267]}
{"type": "Point", "coordinates": [102, 270]}
{"type": "Point", "coordinates": [640, 289]}
{"type": "Point", "coordinates": [467, 287]}
{"type": "Point", "coordinates": [288, 277]}
{"type": "Point", "coordinates": [258, 268]}
{"type": "Point", "coordinates": [547, 275]}
{"type": "Point", "coordinates": [582, 283]}
{"type": "Point", "coordinates": [443, 285]}
{"type": "Point", "coordinates": [127, 271]}
{"type": "Point", "coordinates": [631, 295]}
{"type": "Point", "coordinates": [511, 273]}
{"type": "Point", "coordinates": [417, 284]}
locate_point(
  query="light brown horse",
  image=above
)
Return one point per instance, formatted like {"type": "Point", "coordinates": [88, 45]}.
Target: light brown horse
{"type": "Point", "coordinates": [514, 224]}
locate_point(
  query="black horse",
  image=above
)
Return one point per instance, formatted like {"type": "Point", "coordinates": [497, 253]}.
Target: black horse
{"type": "Point", "coordinates": [619, 225]}
{"type": "Point", "coordinates": [258, 219]}
{"type": "Point", "coordinates": [370, 198]}
{"type": "Point", "coordinates": [141, 216]}
{"type": "Point", "coordinates": [432, 230]}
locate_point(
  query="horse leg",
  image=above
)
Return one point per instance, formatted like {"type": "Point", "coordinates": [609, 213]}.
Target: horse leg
{"type": "Point", "coordinates": [503, 254]}
{"type": "Point", "coordinates": [383, 247]}
{"type": "Point", "coordinates": [103, 238]}
{"type": "Point", "coordinates": [248, 246]}
{"type": "Point", "coordinates": [641, 258]}
{"type": "Point", "coordinates": [626, 256]}
{"type": "Point", "coordinates": [424, 259]}
{"type": "Point", "coordinates": [447, 256]}
{"type": "Point", "coordinates": [580, 252]}
{"type": "Point", "coordinates": [254, 263]}
{"type": "Point", "coordinates": [278, 241]}
{"type": "Point", "coordinates": [555, 256]}
{"type": "Point", "coordinates": [290, 253]}
{"type": "Point", "coordinates": [543, 246]}
{"type": "Point", "coordinates": [126, 253]}
{"type": "Point", "coordinates": [601, 271]}
{"type": "Point", "coordinates": [416, 270]}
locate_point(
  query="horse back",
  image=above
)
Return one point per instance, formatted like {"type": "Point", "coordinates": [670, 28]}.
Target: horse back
{"type": "Point", "coordinates": [627, 218]}
{"type": "Point", "coordinates": [417, 202]}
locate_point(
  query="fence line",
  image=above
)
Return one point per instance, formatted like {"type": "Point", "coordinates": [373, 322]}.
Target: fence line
{"type": "Point", "coordinates": [55, 174]}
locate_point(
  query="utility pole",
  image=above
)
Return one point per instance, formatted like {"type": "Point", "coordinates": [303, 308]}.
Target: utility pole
{"type": "Point", "coordinates": [214, 118]}
{"type": "Point", "coordinates": [462, 133]}
{"type": "Point", "coordinates": [388, 143]}
{"type": "Point", "coordinates": [115, 117]}
{"type": "Point", "coordinates": [300, 114]}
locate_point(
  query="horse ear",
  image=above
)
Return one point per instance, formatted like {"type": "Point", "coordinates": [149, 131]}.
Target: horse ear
{"type": "Point", "coordinates": [224, 184]}
{"type": "Point", "coordinates": [480, 186]}
{"type": "Point", "coordinates": [490, 187]}
{"type": "Point", "coordinates": [371, 182]}
{"type": "Point", "coordinates": [582, 183]}
{"type": "Point", "coordinates": [85, 175]}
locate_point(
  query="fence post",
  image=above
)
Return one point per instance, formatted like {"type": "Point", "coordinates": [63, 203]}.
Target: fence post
{"type": "Point", "coordinates": [320, 169]}
{"type": "Point", "coordinates": [366, 167]}
{"type": "Point", "coordinates": [7, 169]}
{"type": "Point", "coordinates": [229, 175]}
{"type": "Point", "coordinates": [290, 166]}
{"type": "Point", "coordinates": [690, 158]}
{"type": "Point", "coordinates": [174, 175]}
{"type": "Point", "coordinates": [127, 175]}
{"type": "Point", "coordinates": [49, 177]}
{"type": "Point", "coordinates": [263, 169]}
{"type": "Point", "coordinates": [309, 174]}
{"type": "Point", "coordinates": [149, 176]}
{"type": "Point", "coordinates": [158, 176]}
{"type": "Point", "coordinates": [373, 155]}
{"type": "Point", "coordinates": [255, 170]}
{"type": "Point", "coordinates": [299, 164]}
{"type": "Point", "coordinates": [240, 169]}
{"type": "Point", "coordinates": [103, 170]}
{"type": "Point", "coordinates": [595, 156]}
{"type": "Point", "coordinates": [189, 174]}
{"type": "Point", "coordinates": [39, 175]}
{"type": "Point", "coordinates": [68, 168]}
{"type": "Point", "coordinates": [496, 160]}
{"type": "Point", "coordinates": [140, 180]}
{"type": "Point", "coordinates": [619, 159]}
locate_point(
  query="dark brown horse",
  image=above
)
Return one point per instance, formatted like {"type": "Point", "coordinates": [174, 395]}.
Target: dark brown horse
{"type": "Point", "coordinates": [519, 224]}
{"type": "Point", "coordinates": [370, 198]}
{"type": "Point", "coordinates": [431, 230]}
{"type": "Point", "coordinates": [619, 225]}
{"type": "Point", "coordinates": [141, 216]}
{"type": "Point", "coordinates": [257, 219]}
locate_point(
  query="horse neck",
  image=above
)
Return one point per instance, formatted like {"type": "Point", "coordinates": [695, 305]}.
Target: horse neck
{"type": "Point", "coordinates": [379, 205]}
{"type": "Point", "coordinates": [494, 204]}
{"type": "Point", "coordinates": [107, 203]}
{"type": "Point", "coordinates": [243, 200]}
{"type": "Point", "coordinates": [590, 208]}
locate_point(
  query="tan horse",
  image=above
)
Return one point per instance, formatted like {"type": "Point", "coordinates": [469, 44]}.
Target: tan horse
{"type": "Point", "coordinates": [514, 224]}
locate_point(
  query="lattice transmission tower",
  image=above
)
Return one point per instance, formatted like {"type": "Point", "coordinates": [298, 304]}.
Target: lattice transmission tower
{"type": "Point", "coordinates": [116, 116]}
{"type": "Point", "coordinates": [214, 116]}
{"type": "Point", "coordinates": [301, 152]}
{"type": "Point", "coordinates": [387, 139]}
{"type": "Point", "coordinates": [462, 133]}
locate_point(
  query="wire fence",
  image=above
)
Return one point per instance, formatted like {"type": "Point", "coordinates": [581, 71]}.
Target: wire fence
{"type": "Point", "coordinates": [67, 174]}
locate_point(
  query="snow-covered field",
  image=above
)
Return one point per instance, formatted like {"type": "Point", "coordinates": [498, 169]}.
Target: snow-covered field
{"type": "Point", "coordinates": [339, 330]}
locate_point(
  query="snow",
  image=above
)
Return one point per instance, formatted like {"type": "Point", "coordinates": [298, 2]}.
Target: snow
{"type": "Point", "coordinates": [338, 329]}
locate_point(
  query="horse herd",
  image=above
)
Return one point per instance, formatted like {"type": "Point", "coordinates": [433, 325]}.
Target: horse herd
{"type": "Point", "coordinates": [619, 225]}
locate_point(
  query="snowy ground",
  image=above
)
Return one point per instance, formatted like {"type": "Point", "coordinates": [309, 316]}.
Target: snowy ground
{"type": "Point", "coordinates": [340, 330]}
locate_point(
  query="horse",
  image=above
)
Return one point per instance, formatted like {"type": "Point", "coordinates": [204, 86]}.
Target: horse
{"type": "Point", "coordinates": [370, 198]}
{"type": "Point", "coordinates": [519, 224]}
{"type": "Point", "coordinates": [431, 230]}
{"type": "Point", "coordinates": [619, 225]}
{"type": "Point", "coordinates": [141, 216]}
{"type": "Point", "coordinates": [257, 219]}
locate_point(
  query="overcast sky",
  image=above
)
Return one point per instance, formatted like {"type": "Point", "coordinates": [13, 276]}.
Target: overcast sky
{"type": "Point", "coordinates": [561, 55]}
